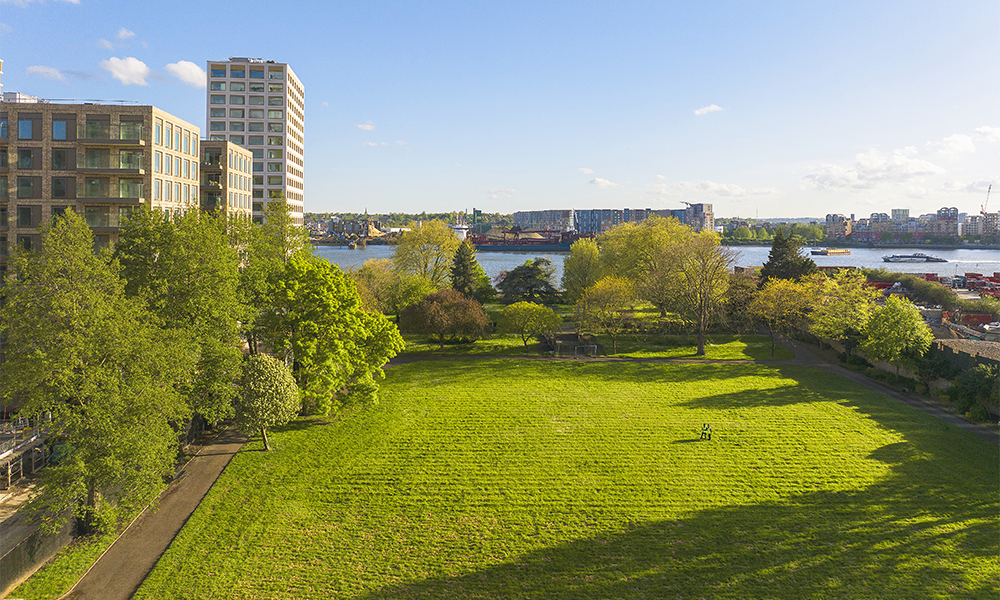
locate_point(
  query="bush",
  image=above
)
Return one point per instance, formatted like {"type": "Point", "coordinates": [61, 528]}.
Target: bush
{"type": "Point", "coordinates": [857, 361]}
{"type": "Point", "coordinates": [447, 316]}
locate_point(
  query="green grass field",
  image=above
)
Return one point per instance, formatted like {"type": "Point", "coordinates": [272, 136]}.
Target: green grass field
{"type": "Point", "coordinates": [506, 479]}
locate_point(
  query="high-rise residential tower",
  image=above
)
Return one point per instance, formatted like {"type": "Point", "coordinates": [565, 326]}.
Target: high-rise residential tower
{"type": "Point", "coordinates": [260, 105]}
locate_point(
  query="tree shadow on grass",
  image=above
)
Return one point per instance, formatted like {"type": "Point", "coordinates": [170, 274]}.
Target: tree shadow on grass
{"type": "Point", "coordinates": [895, 539]}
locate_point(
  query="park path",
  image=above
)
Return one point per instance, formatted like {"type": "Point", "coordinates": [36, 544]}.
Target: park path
{"type": "Point", "coordinates": [120, 571]}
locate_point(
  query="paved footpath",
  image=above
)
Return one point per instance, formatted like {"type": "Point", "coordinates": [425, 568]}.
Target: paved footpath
{"type": "Point", "coordinates": [118, 573]}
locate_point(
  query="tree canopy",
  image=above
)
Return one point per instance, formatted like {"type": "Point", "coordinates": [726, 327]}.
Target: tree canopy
{"type": "Point", "coordinates": [528, 282]}
{"type": "Point", "coordinates": [786, 260]}
{"type": "Point", "coordinates": [782, 305]}
{"type": "Point", "coordinates": [427, 250]}
{"type": "Point", "coordinates": [468, 276]}
{"type": "Point", "coordinates": [581, 269]}
{"type": "Point", "coordinates": [845, 305]}
{"type": "Point", "coordinates": [268, 396]}
{"type": "Point", "coordinates": [527, 320]}
{"type": "Point", "coordinates": [447, 316]}
{"type": "Point", "coordinates": [896, 333]}
{"type": "Point", "coordinates": [607, 306]}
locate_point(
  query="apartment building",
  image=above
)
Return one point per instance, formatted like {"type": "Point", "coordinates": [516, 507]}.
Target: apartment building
{"type": "Point", "coordinates": [260, 105]}
{"type": "Point", "coordinates": [226, 176]}
{"type": "Point", "coordinates": [99, 160]}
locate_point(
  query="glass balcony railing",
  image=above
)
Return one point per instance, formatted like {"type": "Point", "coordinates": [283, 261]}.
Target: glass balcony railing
{"type": "Point", "coordinates": [101, 188]}
{"type": "Point", "coordinates": [213, 181]}
{"type": "Point", "coordinates": [211, 161]}
{"type": "Point", "coordinates": [129, 161]}
{"type": "Point", "coordinates": [100, 216]}
{"type": "Point", "coordinates": [104, 131]}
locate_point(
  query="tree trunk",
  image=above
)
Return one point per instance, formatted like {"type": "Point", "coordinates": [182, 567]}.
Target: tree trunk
{"type": "Point", "coordinates": [263, 433]}
{"type": "Point", "coordinates": [771, 331]}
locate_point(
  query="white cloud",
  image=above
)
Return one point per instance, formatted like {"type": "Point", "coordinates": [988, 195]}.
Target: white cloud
{"type": "Point", "coordinates": [187, 72]}
{"type": "Point", "coordinates": [129, 71]}
{"type": "Point", "coordinates": [124, 34]}
{"type": "Point", "coordinates": [459, 165]}
{"type": "Point", "coordinates": [660, 177]}
{"type": "Point", "coordinates": [990, 134]}
{"type": "Point", "coordinates": [953, 146]}
{"type": "Point", "coordinates": [711, 188]}
{"type": "Point", "coordinates": [369, 144]}
{"type": "Point", "coordinates": [103, 43]}
{"type": "Point", "coordinates": [603, 184]}
{"type": "Point", "coordinates": [870, 170]}
{"type": "Point", "coordinates": [586, 171]}
{"type": "Point", "coordinates": [5, 28]}
{"type": "Point", "coordinates": [497, 193]}
{"type": "Point", "coordinates": [707, 109]}
{"type": "Point", "coordinates": [978, 186]}
{"type": "Point", "coordinates": [367, 126]}
{"type": "Point", "coordinates": [325, 103]}
{"type": "Point", "coordinates": [46, 72]}
{"type": "Point", "coordinates": [400, 143]}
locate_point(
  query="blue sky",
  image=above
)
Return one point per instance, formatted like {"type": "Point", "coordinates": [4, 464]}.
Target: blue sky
{"type": "Point", "coordinates": [778, 109]}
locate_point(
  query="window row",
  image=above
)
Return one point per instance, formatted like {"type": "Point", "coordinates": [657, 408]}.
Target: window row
{"type": "Point", "coordinates": [242, 126]}
{"type": "Point", "coordinates": [241, 72]}
{"type": "Point", "coordinates": [175, 137]}
{"type": "Point", "coordinates": [175, 165]}
{"type": "Point", "coordinates": [251, 100]}
{"type": "Point", "coordinates": [168, 191]}
{"type": "Point", "coordinates": [73, 187]}
{"type": "Point", "coordinates": [220, 86]}
{"type": "Point", "coordinates": [251, 140]}
{"type": "Point", "coordinates": [65, 127]}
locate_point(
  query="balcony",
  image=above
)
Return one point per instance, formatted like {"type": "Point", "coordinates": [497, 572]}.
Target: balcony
{"type": "Point", "coordinates": [107, 134]}
{"type": "Point", "coordinates": [100, 189]}
{"type": "Point", "coordinates": [101, 217]}
{"type": "Point", "coordinates": [129, 163]}
{"type": "Point", "coordinates": [211, 162]}
{"type": "Point", "coordinates": [213, 182]}
{"type": "Point", "coordinates": [212, 202]}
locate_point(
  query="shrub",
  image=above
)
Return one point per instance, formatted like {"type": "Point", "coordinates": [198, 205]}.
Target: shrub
{"type": "Point", "coordinates": [447, 316]}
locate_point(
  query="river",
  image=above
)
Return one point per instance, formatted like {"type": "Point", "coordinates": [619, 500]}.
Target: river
{"type": "Point", "coordinates": [959, 261]}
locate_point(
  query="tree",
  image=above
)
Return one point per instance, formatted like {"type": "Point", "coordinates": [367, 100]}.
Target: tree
{"type": "Point", "coordinates": [316, 324]}
{"type": "Point", "coordinates": [528, 282]}
{"type": "Point", "coordinates": [782, 305]}
{"type": "Point", "coordinates": [700, 282]}
{"type": "Point", "coordinates": [188, 275]}
{"type": "Point", "coordinates": [607, 306]}
{"type": "Point", "coordinates": [468, 276]}
{"type": "Point", "coordinates": [742, 233]}
{"type": "Point", "coordinates": [896, 333]}
{"type": "Point", "coordinates": [447, 316]}
{"type": "Point", "coordinates": [78, 348]}
{"type": "Point", "coordinates": [786, 261]}
{"type": "Point", "coordinates": [427, 250]}
{"type": "Point", "coordinates": [581, 269]}
{"type": "Point", "coordinates": [527, 320]}
{"type": "Point", "coordinates": [845, 305]}
{"type": "Point", "coordinates": [645, 253]}
{"type": "Point", "coordinates": [268, 396]}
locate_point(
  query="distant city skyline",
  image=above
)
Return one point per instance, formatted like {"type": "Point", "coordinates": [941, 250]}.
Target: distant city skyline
{"type": "Point", "coordinates": [777, 110]}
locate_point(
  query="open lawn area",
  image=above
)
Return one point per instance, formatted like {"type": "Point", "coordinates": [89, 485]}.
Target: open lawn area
{"type": "Point", "coordinates": [508, 479]}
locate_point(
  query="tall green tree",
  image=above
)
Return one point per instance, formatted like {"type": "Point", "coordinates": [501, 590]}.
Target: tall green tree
{"type": "Point", "coordinates": [845, 306]}
{"type": "Point", "coordinates": [315, 322]}
{"type": "Point", "coordinates": [783, 305]}
{"type": "Point", "coordinates": [446, 316]}
{"type": "Point", "coordinates": [268, 396]}
{"type": "Point", "coordinates": [527, 320]}
{"type": "Point", "coordinates": [102, 365]}
{"type": "Point", "coordinates": [468, 276]}
{"type": "Point", "coordinates": [528, 282]}
{"type": "Point", "coordinates": [607, 306]}
{"type": "Point", "coordinates": [188, 274]}
{"type": "Point", "coordinates": [427, 250]}
{"type": "Point", "coordinates": [700, 282]}
{"type": "Point", "coordinates": [581, 269]}
{"type": "Point", "coordinates": [786, 260]}
{"type": "Point", "coordinates": [896, 333]}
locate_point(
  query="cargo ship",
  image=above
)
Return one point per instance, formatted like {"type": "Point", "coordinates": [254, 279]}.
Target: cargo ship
{"type": "Point", "coordinates": [516, 240]}
{"type": "Point", "coordinates": [831, 251]}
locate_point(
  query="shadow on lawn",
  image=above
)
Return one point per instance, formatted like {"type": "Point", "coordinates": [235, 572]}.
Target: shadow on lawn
{"type": "Point", "coordinates": [894, 539]}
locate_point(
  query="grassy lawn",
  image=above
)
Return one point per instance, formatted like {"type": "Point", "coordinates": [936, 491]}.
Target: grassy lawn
{"type": "Point", "coordinates": [507, 479]}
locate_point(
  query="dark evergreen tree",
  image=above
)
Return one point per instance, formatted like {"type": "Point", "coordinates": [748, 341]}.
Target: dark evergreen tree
{"type": "Point", "coordinates": [531, 282]}
{"type": "Point", "coordinates": [465, 270]}
{"type": "Point", "coordinates": [786, 261]}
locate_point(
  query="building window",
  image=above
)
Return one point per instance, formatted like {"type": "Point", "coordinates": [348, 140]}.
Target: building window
{"type": "Point", "coordinates": [236, 139]}
{"type": "Point", "coordinates": [275, 74]}
{"type": "Point", "coordinates": [258, 180]}
{"type": "Point", "coordinates": [256, 127]}
{"type": "Point", "coordinates": [168, 189]}
{"type": "Point", "coordinates": [218, 71]}
{"type": "Point", "coordinates": [256, 113]}
{"type": "Point", "coordinates": [257, 153]}
{"type": "Point", "coordinates": [257, 100]}
{"type": "Point", "coordinates": [256, 73]}
{"type": "Point", "coordinates": [258, 193]}
{"type": "Point", "coordinates": [177, 166]}
{"type": "Point", "coordinates": [275, 127]}
{"type": "Point", "coordinates": [274, 140]}
{"type": "Point", "coordinates": [237, 126]}
{"type": "Point", "coordinates": [4, 193]}
{"type": "Point", "coordinates": [24, 129]}
{"type": "Point", "coordinates": [274, 180]}
{"type": "Point", "coordinates": [237, 99]}
{"type": "Point", "coordinates": [187, 169]}
{"type": "Point", "coordinates": [60, 158]}
{"type": "Point", "coordinates": [177, 140]}
{"type": "Point", "coordinates": [3, 128]}
{"type": "Point", "coordinates": [275, 101]}
{"type": "Point", "coordinates": [24, 158]}
{"type": "Point", "coordinates": [258, 167]}
{"type": "Point", "coordinates": [237, 87]}
{"type": "Point", "coordinates": [218, 86]}
{"type": "Point", "coordinates": [169, 164]}
{"type": "Point", "coordinates": [59, 187]}
{"type": "Point", "coordinates": [58, 130]}
{"type": "Point", "coordinates": [187, 145]}
{"type": "Point", "coordinates": [236, 113]}
{"type": "Point", "coordinates": [274, 167]}
{"type": "Point", "coordinates": [217, 126]}
{"type": "Point", "coordinates": [257, 140]}
{"type": "Point", "coordinates": [256, 87]}
{"type": "Point", "coordinates": [157, 187]}
{"type": "Point", "coordinates": [217, 99]}
{"type": "Point", "coordinates": [177, 192]}
{"type": "Point", "coordinates": [275, 114]}
{"type": "Point", "coordinates": [274, 153]}
{"type": "Point", "coordinates": [23, 191]}
{"type": "Point", "coordinates": [275, 88]}
{"type": "Point", "coordinates": [217, 138]}
{"type": "Point", "coordinates": [170, 136]}
{"type": "Point", "coordinates": [58, 212]}
{"type": "Point", "coordinates": [217, 113]}
{"type": "Point", "coordinates": [237, 72]}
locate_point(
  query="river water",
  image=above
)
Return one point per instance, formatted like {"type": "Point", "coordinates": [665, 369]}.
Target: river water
{"type": "Point", "coordinates": [959, 261]}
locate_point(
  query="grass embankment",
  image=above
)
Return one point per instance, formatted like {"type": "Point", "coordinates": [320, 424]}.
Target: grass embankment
{"type": "Point", "coordinates": [499, 479]}
{"type": "Point", "coordinates": [719, 347]}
